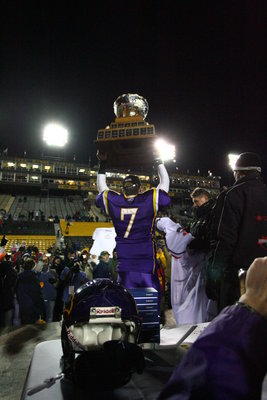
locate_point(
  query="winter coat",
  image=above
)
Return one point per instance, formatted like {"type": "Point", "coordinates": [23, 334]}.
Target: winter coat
{"type": "Point", "coordinates": [28, 292]}
{"type": "Point", "coordinates": [49, 279]}
{"type": "Point", "coordinates": [8, 277]}
{"type": "Point", "coordinates": [200, 227]}
{"type": "Point", "coordinates": [240, 225]}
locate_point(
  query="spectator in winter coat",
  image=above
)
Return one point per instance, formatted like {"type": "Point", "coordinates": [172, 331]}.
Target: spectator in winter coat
{"type": "Point", "coordinates": [239, 230]}
{"type": "Point", "coordinates": [113, 266]}
{"type": "Point", "coordinates": [73, 277]}
{"type": "Point", "coordinates": [58, 266]}
{"type": "Point", "coordinates": [49, 279]}
{"type": "Point", "coordinates": [102, 270]}
{"type": "Point", "coordinates": [29, 296]}
{"type": "Point", "coordinates": [200, 227]}
{"type": "Point", "coordinates": [8, 278]}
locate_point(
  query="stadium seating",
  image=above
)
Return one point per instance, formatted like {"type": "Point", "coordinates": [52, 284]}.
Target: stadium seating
{"type": "Point", "coordinates": [42, 242]}
{"type": "Point", "coordinates": [49, 206]}
{"type": "Point", "coordinates": [6, 201]}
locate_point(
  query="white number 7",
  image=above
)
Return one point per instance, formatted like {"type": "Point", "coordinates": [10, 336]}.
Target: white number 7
{"type": "Point", "coordinates": [132, 212]}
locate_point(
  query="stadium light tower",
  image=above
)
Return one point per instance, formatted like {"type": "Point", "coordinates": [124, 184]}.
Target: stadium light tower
{"type": "Point", "coordinates": [55, 135]}
{"type": "Point", "coordinates": [232, 159]}
{"type": "Point", "coordinates": [165, 150]}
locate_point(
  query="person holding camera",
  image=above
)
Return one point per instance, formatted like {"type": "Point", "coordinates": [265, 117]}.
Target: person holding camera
{"type": "Point", "coordinates": [48, 281]}
{"type": "Point", "coordinates": [86, 264]}
{"type": "Point", "coordinates": [73, 277]}
{"type": "Point", "coordinates": [58, 266]}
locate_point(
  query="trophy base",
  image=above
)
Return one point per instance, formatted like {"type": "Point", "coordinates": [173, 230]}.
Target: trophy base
{"type": "Point", "coordinates": [128, 154]}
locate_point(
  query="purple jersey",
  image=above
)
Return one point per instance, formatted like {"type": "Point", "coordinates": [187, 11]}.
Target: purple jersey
{"type": "Point", "coordinates": [133, 220]}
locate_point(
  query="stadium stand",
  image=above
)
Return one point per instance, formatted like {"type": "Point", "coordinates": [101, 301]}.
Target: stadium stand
{"type": "Point", "coordinates": [46, 206]}
{"type": "Point", "coordinates": [6, 201]}
{"type": "Point", "coordinates": [43, 243]}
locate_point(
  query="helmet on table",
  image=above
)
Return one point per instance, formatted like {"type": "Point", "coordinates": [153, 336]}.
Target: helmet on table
{"type": "Point", "coordinates": [101, 325]}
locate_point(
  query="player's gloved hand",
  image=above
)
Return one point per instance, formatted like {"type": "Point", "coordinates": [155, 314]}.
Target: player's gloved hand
{"type": "Point", "coordinates": [156, 158]}
{"type": "Point", "coordinates": [102, 157]}
{"type": "Point", "coordinates": [158, 161]}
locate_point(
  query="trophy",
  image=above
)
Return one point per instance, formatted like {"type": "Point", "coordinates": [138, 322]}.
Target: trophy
{"type": "Point", "coordinates": [129, 140]}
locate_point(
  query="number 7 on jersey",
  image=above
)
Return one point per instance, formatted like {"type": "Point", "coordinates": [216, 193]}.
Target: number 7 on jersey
{"type": "Point", "coordinates": [132, 212]}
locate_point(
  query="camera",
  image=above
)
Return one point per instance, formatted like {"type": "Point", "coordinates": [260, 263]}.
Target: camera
{"type": "Point", "coordinates": [74, 266]}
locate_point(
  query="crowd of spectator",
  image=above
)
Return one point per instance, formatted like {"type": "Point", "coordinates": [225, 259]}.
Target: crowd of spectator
{"type": "Point", "coordinates": [34, 287]}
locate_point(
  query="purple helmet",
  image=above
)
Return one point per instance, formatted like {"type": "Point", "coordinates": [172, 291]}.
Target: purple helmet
{"type": "Point", "coordinates": [101, 323]}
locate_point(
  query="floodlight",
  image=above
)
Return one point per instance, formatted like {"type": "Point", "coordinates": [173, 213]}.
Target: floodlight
{"type": "Point", "coordinates": [165, 150]}
{"type": "Point", "coordinates": [55, 135]}
{"type": "Point", "coordinates": [232, 159]}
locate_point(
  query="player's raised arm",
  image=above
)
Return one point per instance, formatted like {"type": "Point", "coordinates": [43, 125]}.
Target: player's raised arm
{"type": "Point", "coordinates": [101, 176]}
{"type": "Point", "coordinates": [164, 180]}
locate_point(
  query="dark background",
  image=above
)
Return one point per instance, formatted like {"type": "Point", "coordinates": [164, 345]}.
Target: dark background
{"type": "Point", "coordinates": [201, 66]}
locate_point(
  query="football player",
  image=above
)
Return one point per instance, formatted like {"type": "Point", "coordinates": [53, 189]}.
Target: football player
{"type": "Point", "coordinates": [133, 214]}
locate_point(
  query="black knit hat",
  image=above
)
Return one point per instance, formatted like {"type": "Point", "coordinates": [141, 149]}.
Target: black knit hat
{"type": "Point", "coordinates": [248, 161]}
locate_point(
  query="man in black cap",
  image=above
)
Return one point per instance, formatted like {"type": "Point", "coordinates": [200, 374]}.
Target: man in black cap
{"type": "Point", "coordinates": [102, 269]}
{"type": "Point", "coordinates": [239, 230]}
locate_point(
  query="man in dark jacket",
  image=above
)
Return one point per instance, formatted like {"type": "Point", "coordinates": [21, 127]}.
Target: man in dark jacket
{"type": "Point", "coordinates": [102, 270]}
{"type": "Point", "coordinates": [28, 290]}
{"type": "Point", "coordinates": [48, 280]}
{"type": "Point", "coordinates": [240, 227]}
{"type": "Point", "coordinates": [58, 266]}
{"type": "Point", "coordinates": [200, 226]}
{"type": "Point", "coordinates": [8, 278]}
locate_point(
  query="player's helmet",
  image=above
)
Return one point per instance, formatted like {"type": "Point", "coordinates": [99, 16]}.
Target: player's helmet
{"type": "Point", "coordinates": [101, 324]}
{"type": "Point", "coordinates": [131, 185]}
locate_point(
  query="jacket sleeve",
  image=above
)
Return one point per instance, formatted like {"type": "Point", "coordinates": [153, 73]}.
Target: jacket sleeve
{"type": "Point", "coordinates": [227, 220]}
{"type": "Point", "coordinates": [163, 178]}
{"type": "Point", "coordinates": [101, 183]}
{"type": "Point", "coordinates": [228, 361]}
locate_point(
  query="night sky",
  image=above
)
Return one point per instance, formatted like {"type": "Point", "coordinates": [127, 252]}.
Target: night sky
{"type": "Point", "coordinates": [202, 66]}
